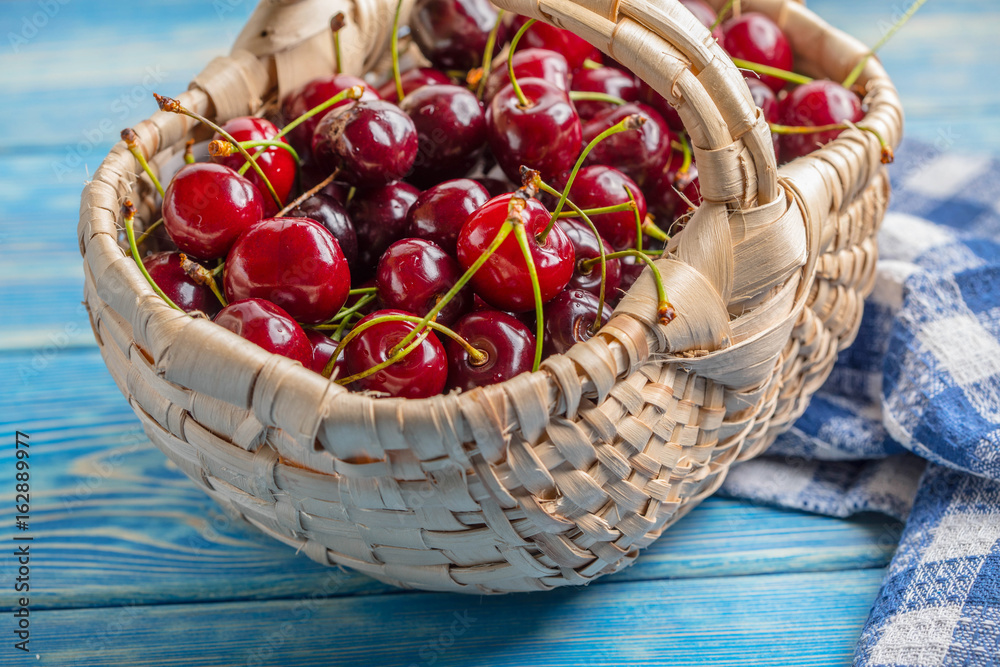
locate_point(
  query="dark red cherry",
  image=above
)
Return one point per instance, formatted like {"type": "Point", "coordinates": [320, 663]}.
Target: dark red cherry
{"type": "Point", "coordinates": [503, 281]}
{"type": "Point", "coordinates": [372, 143]}
{"type": "Point", "coordinates": [640, 154]}
{"type": "Point", "coordinates": [206, 206]}
{"type": "Point", "coordinates": [814, 104]}
{"type": "Point", "coordinates": [269, 326]}
{"type": "Point", "coordinates": [312, 95]}
{"type": "Point", "coordinates": [330, 213]}
{"type": "Point", "coordinates": [598, 186]}
{"type": "Point", "coordinates": [631, 269]}
{"type": "Point", "coordinates": [585, 246]}
{"type": "Point", "coordinates": [495, 186]}
{"type": "Point", "coordinates": [165, 270]}
{"type": "Point", "coordinates": [544, 36]}
{"type": "Point", "coordinates": [422, 373]}
{"type": "Point", "coordinates": [529, 64]}
{"type": "Point", "coordinates": [755, 37]}
{"type": "Point", "coordinates": [412, 79]}
{"type": "Point", "coordinates": [545, 135]}
{"type": "Point", "coordinates": [453, 33]}
{"type": "Point", "coordinates": [323, 348]}
{"type": "Point", "coordinates": [379, 218]}
{"type": "Point", "coordinates": [508, 345]}
{"type": "Point", "coordinates": [607, 80]}
{"type": "Point", "coordinates": [568, 319]}
{"type": "Point", "coordinates": [765, 98]}
{"type": "Point", "coordinates": [293, 262]}
{"type": "Point", "coordinates": [649, 96]}
{"type": "Point", "coordinates": [662, 196]}
{"type": "Point", "coordinates": [701, 11]}
{"type": "Point", "coordinates": [439, 212]}
{"type": "Point", "coordinates": [451, 131]}
{"type": "Point", "coordinates": [413, 275]}
{"type": "Point", "coordinates": [276, 163]}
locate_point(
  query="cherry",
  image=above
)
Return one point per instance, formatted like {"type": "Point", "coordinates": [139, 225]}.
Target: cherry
{"type": "Point", "coordinates": [413, 275]}
{"type": "Point", "coordinates": [663, 198]}
{"type": "Point", "coordinates": [508, 344]}
{"type": "Point", "coordinates": [293, 262]}
{"type": "Point", "coordinates": [495, 186]}
{"type": "Point", "coordinates": [206, 206]}
{"type": "Point", "coordinates": [312, 95]}
{"type": "Point", "coordinates": [575, 49]}
{"type": "Point", "coordinates": [599, 185]}
{"type": "Point", "coordinates": [439, 212]}
{"type": "Point", "coordinates": [166, 271]}
{"type": "Point", "coordinates": [544, 135]}
{"type": "Point", "coordinates": [323, 348]}
{"type": "Point", "coordinates": [329, 212]}
{"type": "Point", "coordinates": [569, 318]}
{"type": "Point", "coordinates": [701, 11]}
{"type": "Point", "coordinates": [649, 96]}
{"type": "Point", "coordinates": [412, 79]}
{"type": "Point", "coordinates": [451, 131]}
{"type": "Point", "coordinates": [267, 325]}
{"type": "Point", "coordinates": [421, 373]}
{"type": "Point", "coordinates": [452, 34]}
{"type": "Point", "coordinates": [369, 307]}
{"type": "Point", "coordinates": [815, 104]}
{"type": "Point", "coordinates": [641, 154]}
{"type": "Point", "coordinates": [379, 218]}
{"type": "Point", "coordinates": [503, 281]}
{"type": "Point", "coordinates": [371, 142]}
{"type": "Point", "coordinates": [765, 98]}
{"type": "Point", "coordinates": [585, 246]}
{"type": "Point", "coordinates": [529, 64]}
{"type": "Point", "coordinates": [755, 37]}
{"type": "Point", "coordinates": [607, 80]}
{"type": "Point", "coordinates": [276, 163]}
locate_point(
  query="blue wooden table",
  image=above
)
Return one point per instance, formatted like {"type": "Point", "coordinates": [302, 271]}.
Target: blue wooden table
{"type": "Point", "coordinates": [131, 565]}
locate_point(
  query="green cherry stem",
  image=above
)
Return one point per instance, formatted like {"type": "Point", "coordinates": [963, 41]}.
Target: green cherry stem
{"type": "Point", "coordinates": [491, 42]}
{"type": "Point", "coordinates": [510, 64]}
{"type": "Point", "coordinates": [146, 232]}
{"type": "Point", "coordinates": [529, 261]}
{"type": "Point", "coordinates": [131, 140]}
{"type": "Point", "coordinates": [219, 269]}
{"type": "Point", "coordinates": [362, 290]}
{"type": "Point", "coordinates": [686, 149]}
{"type": "Point", "coordinates": [352, 93]}
{"type": "Point", "coordinates": [617, 208]}
{"type": "Point", "coordinates": [856, 72]}
{"type": "Point", "coordinates": [222, 148]}
{"type": "Point", "coordinates": [398, 356]}
{"type": "Point", "coordinates": [128, 212]}
{"type": "Point", "coordinates": [722, 15]}
{"type": "Point", "coordinates": [638, 220]}
{"type": "Point", "coordinates": [887, 153]}
{"type": "Point", "coordinates": [394, 49]}
{"type": "Point", "coordinates": [587, 96]}
{"type": "Point", "coordinates": [652, 230]}
{"type": "Point", "coordinates": [664, 311]}
{"type": "Point", "coordinates": [591, 64]}
{"type": "Point", "coordinates": [767, 70]}
{"type": "Point", "coordinates": [337, 24]}
{"type": "Point", "coordinates": [346, 313]}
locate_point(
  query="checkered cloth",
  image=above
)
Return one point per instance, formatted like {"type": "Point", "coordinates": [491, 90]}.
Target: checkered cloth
{"type": "Point", "coordinates": [909, 422]}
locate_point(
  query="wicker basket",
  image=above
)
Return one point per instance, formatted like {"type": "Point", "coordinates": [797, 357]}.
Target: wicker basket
{"type": "Point", "coordinates": [555, 477]}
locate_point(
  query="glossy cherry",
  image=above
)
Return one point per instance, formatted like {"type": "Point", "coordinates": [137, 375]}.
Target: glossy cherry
{"type": "Point", "coordinates": [413, 275]}
{"type": "Point", "coordinates": [568, 319]}
{"type": "Point", "coordinates": [269, 326]}
{"type": "Point", "coordinates": [323, 348]}
{"type": "Point", "coordinates": [503, 281]}
{"type": "Point", "coordinates": [607, 80]}
{"type": "Point", "coordinates": [600, 185]}
{"type": "Point", "coordinates": [411, 79]}
{"type": "Point", "coordinates": [544, 36]}
{"type": "Point", "coordinates": [330, 213]}
{"type": "Point", "coordinates": [206, 206]}
{"type": "Point", "coordinates": [545, 135]}
{"type": "Point", "coordinates": [508, 344]}
{"type": "Point", "coordinates": [452, 34]}
{"type": "Point", "coordinates": [312, 95]}
{"type": "Point", "coordinates": [276, 163]}
{"type": "Point", "coordinates": [649, 96]}
{"type": "Point", "coordinates": [422, 373]}
{"type": "Point", "coordinates": [529, 64]}
{"type": "Point", "coordinates": [451, 131]}
{"type": "Point", "coordinates": [439, 212]}
{"type": "Point", "coordinates": [814, 104]}
{"type": "Point", "coordinates": [585, 246]}
{"type": "Point", "coordinates": [755, 37]}
{"type": "Point", "coordinates": [372, 143]}
{"type": "Point", "coordinates": [293, 262]}
{"type": "Point", "coordinates": [165, 270]}
{"type": "Point", "coordinates": [640, 154]}
{"type": "Point", "coordinates": [379, 218]}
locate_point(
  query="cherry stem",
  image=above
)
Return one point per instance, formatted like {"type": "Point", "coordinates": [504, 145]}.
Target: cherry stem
{"type": "Point", "coordinates": [307, 194]}
{"type": "Point", "coordinates": [219, 269]}
{"type": "Point", "coordinates": [617, 208]}
{"type": "Point", "coordinates": [128, 211]}
{"type": "Point", "coordinates": [352, 93]}
{"type": "Point", "coordinates": [652, 230]}
{"type": "Point", "coordinates": [394, 49]}
{"type": "Point", "coordinates": [131, 140]}
{"type": "Point", "coordinates": [146, 232]}
{"type": "Point", "coordinates": [686, 149]}
{"type": "Point", "coordinates": [721, 16]}
{"type": "Point", "coordinates": [222, 148]}
{"type": "Point", "coordinates": [202, 276]}
{"type": "Point", "coordinates": [529, 261]}
{"type": "Point", "coordinates": [344, 315]}
{"type": "Point", "coordinates": [189, 152]}
{"type": "Point", "coordinates": [173, 106]}
{"type": "Point", "coordinates": [856, 72]}
{"type": "Point", "coordinates": [398, 356]}
{"type": "Point", "coordinates": [887, 152]}
{"type": "Point", "coordinates": [767, 70]}
{"type": "Point", "coordinates": [664, 311]}
{"type": "Point", "coordinates": [510, 64]}
{"type": "Point", "coordinates": [337, 24]}
{"type": "Point", "coordinates": [591, 64]}
{"type": "Point", "coordinates": [638, 220]}
{"type": "Point", "coordinates": [491, 42]}
{"type": "Point", "coordinates": [362, 290]}
{"type": "Point", "coordinates": [632, 122]}
{"type": "Point", "coordinates": [587, 96]}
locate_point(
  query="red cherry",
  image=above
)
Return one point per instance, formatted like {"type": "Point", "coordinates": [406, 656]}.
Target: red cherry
{"type": "Point", "coordinates": [412, 79]}
{"type": "Point", "coordinates": [755, 37]}
{"type": "Point", "coordinates": [598, 186]}
{"type": "Point", "coordinates": [640, 154]}
{"type": "Point", "coordinates": [372, 143]}
{"type": "Point", "coordinates": [495, 186]}
{"type": "Point", "coordinates": [323, 348]}
{"type": "Point", "coordinates": [439, 212]}
{"type": "Point", "coordinates": [545, 135]}
{"type": "Point", "coordinates": [503, 281]}
{"type": "Point", "coordinates": [607, 80]}
{"type": "Point", "coordinates": [293, 262]}
{"type": "Point", "coordinates": [413, 275]}
{"type": "Point", "coordinates": [453, 33]}
{"type": "Point", "coordinates": [206, 206]}
{"type": "Point", "coordinates": [765, 98]}
{"type": "Point", "coordinates": [544, 36]}
{"type": "Point", "coordinates": [663, 198]}
{"type": "Point", "coordinates": [276, 163]}
{"type": "Point", "coordinates": [568, 318]}
{"type": "Point", "coordinates": [379, 218]}
{"type": "Point", "coordinates": [420, 374]}
{"type": "Point", "coordinates": [312, 95]}
{"type": "Point", "coordinates": [529, 64]}
{"type": "Point", "coordinates": [165, 270]}
{"type": "Point", "coordinates": [701, 11]}
{"type": "Point", "coordinates": [267, 325]}
{"type": "Point", "coordinates": [649, 96]}
{"type": "Point", "coordinates": [508, 344]}
{"type": "Point", "coordinates": [330, 213]}
{"type": "Point", "coordinates": [585, 246]}
{"type": "Point", "coordinates": [814, 104]}
{"type": "Point", "coordinates": [451, 131]}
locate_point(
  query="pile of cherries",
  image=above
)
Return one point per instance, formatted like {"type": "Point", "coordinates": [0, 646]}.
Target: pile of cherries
{"type": "Point", "coordinates": [381, 236]}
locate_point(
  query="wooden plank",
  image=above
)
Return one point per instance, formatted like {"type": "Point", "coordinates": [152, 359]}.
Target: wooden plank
{"type": "Point", "coordinates": [795, 619]}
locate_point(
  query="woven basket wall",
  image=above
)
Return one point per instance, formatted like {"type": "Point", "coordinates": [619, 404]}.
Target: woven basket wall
{"type": "Point", "coordinates": [555, 477]}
